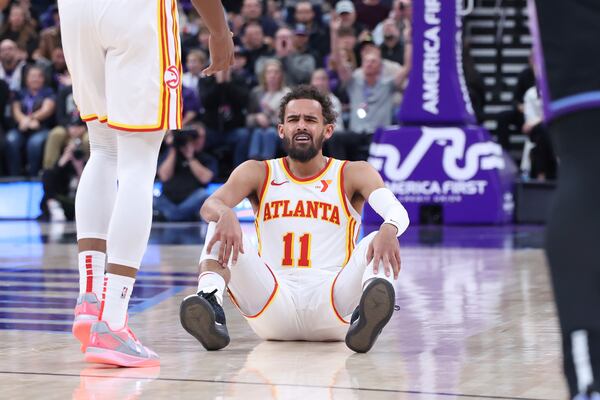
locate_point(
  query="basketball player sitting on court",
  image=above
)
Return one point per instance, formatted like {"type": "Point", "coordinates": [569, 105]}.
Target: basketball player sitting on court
{"type": "Point", "coordinates": [307, 275]}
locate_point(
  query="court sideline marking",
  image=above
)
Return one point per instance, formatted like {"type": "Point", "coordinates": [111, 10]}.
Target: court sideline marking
{"type": "Point", "coordinates": [477, 396]}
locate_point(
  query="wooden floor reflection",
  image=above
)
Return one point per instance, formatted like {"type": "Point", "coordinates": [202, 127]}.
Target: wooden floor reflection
{"type": "Point", "coordinates": [474, 323]}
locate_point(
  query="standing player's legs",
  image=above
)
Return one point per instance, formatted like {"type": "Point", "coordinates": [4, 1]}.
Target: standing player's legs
{"type": "Point", "coordinates": [367, 295]}
{"type": "Point", "coordinates": [93, 208]}
{"type": "Point", "coordinates": [97, 189]}
{"type": "Point", "coordinates": [572, 243]}
{"type": "Point", "coordinates": [111, 340]}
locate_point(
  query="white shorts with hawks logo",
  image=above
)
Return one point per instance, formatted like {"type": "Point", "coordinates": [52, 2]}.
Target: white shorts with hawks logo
{"type": "Point", "coordinates": [124, 59]}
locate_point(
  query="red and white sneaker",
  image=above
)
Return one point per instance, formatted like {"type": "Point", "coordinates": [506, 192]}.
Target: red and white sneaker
{"type": "Point", "coordinates": [119, 347]}
{"type": "Point", "coordinates": [86, 313]}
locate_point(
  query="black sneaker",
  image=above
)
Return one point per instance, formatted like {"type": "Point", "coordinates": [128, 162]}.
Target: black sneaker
{"type": "Point", "coordinates": [203, 318]}
{"type": "Point", "coordinates": [372, 314]}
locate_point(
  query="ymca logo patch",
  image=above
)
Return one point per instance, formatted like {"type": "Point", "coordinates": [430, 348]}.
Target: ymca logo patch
{"type": "Point", "coordinates": [324, 185]}
{"type": "Point", "coordinates": [172, 77]}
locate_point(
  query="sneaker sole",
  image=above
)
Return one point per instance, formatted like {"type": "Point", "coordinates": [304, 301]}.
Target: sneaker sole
{"type": "Point", "coordinates": [81, 329]}
{"type": "Point", "coordinates": [198, 319]}
{"type": "Point", "coordinates": [106, 356]}
{"type": "Point", "coordinates": [376, 308]}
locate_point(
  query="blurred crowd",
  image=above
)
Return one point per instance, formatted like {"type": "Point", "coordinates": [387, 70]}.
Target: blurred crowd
{"type": "Point", "coordinates": [358, 52]}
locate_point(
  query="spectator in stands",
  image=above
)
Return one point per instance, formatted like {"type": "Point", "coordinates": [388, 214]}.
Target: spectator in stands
{"type": "Point", "coordinates": [298, 67]}
{"type": "Point", "coordinates": [191, 106]}
{"type": "Point", "coordinates": [369, 91]}
{"type": "Point", "coordinates": [252, 12]}
{"type": "Point", "coordinates": [253, 42]}
{"type": "Point", "coordinates": [302, 46]}
{"type": "Point", "coordinates": [57, 74]}
{"type": "Point", "coordinates": [33, 111]}
{"type": "Point", "coordinates": [514, 116]}
{"type": "Point", "coordinates": [195, 63]}
{"type": "Point", "coordinates": [184, 172]}
{"type": "Point", "coordinates": [20, 28]}
{"type": "Point", "coordinates": [371, 12]}
{"type": "Point", "coordinates": [320, 80]}
{"type": "Point", "coordinates": [309, 30]}
{"type": "Point", "coordinates": [225, 100]}
{"type": "Point", "coordinates": [49, 38]}
{"type": "Point", "coordinates": [400, 14]}
{"type": "Point", "coordinates": [275, 12]}
{"type": "Point", "coordinates": [346, 44]}
{"type": "Point", "coordinates": [239, 71]}
{"type": "Point", "coordinates": [4, 101]}
{"type": "Point", "coordinates": [60, 181]}
{"type": "Point", "coordinates": [263, 111]}
{"type": "Point", "coordinates": [346, 12]}
{"type": "Point", "coordinates": [392, 47]}
{"type": "Point", "coordinates": [198, 41]}
{"type": "Point", "coordinates": [542, 156]}
{"type": "Point", "coordinates": [58, 138]}
{"type": "Point", "coordinates": [12, 64]}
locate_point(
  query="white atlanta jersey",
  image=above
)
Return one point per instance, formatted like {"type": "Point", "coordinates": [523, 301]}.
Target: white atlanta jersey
{"type": "Point", "coordinates": [307, 223]}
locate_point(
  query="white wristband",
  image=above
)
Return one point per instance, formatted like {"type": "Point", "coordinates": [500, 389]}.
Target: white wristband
{"type": "Point", "coordinates": [391, 210]}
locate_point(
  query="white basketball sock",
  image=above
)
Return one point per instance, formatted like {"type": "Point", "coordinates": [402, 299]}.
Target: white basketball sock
{"type": "Point", "coordinates": [117, 292]}
{"type": "Point", "coordinates": [91, 272]}
{"type": "Point", "coordinates": [209, 281]}
{"type": "Point", "coordinates": [369, 275]}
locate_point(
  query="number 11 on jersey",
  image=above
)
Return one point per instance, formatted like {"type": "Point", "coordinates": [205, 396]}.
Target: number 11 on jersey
{"type": "Point", "coordinates": [288, 250]}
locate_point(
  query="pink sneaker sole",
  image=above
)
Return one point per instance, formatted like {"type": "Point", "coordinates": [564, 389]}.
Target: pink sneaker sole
{"type": "Point", "coordinates": [105, 356]}
{"type": "Point", "coordinates": [81, 330]}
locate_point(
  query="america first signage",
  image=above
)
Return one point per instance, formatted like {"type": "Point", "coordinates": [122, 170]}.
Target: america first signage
{"type": "Point", "coordinates": [461, 169]}
{"type": "Point", "coordinates": [436, 93]}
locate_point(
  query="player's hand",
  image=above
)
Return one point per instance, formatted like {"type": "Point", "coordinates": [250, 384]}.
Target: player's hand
{"type": "Point", "coordinates": [229, 232]}
{"type": "Point", "coordinates": [221, 53]}
{"type": "Point", "coordinates": [385, 248]}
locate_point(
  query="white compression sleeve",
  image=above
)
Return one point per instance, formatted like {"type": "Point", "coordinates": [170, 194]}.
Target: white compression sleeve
{"type": "Point", "coordinates": [391, 210]}
{"type": "Point", "coordinates": [130, 222]}
{"type": "Point", "coordinates": [97, 188]}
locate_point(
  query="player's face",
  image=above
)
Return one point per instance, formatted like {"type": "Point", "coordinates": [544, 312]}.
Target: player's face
{"type": "Point", "coordinates": [303, 130]}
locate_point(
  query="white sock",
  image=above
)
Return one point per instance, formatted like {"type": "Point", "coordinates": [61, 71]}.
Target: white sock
{"type": "Point", "coordinates": [91, 272]}
{"type": "Point", "coordinates": [369, 275]}
{"type": "Point", "coordinates": [116, 299]}
{"type": "Point", "coordinates": [209, 281]}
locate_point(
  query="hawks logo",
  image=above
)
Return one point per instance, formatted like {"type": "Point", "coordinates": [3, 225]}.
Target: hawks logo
{"type": "Point", "coordinates": [172, 77]}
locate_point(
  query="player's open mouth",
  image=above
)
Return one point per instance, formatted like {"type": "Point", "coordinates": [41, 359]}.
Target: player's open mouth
{"type": "Point", "coordinates": [302, 138]}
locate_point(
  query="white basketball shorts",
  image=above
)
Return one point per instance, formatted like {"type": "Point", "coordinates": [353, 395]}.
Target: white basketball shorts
{"type": "Point", "coordinates": [124, 60]}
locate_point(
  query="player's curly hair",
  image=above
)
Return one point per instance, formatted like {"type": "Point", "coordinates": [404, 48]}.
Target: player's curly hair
{"type": "Point", "coordinates": [311, 93]}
